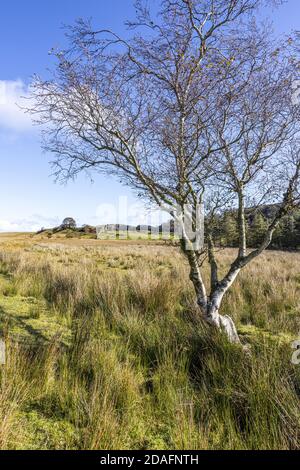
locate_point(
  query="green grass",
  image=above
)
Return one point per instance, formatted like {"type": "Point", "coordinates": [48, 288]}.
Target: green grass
{"type": "Point", "coordinates": [105, 351]}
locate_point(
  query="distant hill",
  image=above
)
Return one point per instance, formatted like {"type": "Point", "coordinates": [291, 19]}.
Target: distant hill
{"type": "Point", "coordinates": [89, 231]}
{"type": "Point", "coordinates": [286, 236]}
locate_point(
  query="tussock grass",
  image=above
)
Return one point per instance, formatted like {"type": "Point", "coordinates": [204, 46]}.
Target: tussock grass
{"type": "Point", "coordinates": [139, 371]}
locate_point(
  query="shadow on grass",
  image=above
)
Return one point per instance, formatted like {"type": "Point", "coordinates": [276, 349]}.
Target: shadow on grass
{"type": "Point", "coordinates": [8, 322]}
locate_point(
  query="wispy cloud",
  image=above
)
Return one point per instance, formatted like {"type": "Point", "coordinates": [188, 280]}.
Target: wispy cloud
{"type": "Point", "coordinates": [29, 224]}
{"type": "Point", "coordinates": [12, 94]}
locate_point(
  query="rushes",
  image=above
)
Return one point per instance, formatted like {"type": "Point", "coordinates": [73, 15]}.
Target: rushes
{"type": "Point", "coordinates": [140, 372]}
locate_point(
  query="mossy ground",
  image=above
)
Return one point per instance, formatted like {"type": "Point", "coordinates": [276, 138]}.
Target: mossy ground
{"type": "Point", "coordinates": [30, 320]}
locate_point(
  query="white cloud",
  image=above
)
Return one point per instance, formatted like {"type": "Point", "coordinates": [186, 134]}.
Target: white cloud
{"type": "Point", "coordinates": [12, 94]}
{"type": "Point", "coordinates": [30, 224]}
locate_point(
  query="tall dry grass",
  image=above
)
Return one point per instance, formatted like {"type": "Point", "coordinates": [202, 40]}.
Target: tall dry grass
{"type": "Point", "coordinates": [140, 370]}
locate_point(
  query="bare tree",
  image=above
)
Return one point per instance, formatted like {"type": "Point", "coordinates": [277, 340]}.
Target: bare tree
{"type": "Point", "coordinates": [197, 106]}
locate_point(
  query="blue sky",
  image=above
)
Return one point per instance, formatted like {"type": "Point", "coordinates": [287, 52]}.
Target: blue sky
{"type": "Point", "coordinates": [29, 197]}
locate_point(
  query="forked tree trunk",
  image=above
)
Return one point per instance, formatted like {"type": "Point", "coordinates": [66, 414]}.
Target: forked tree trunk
{"type": "Point", "coordinates": [210, 305]}
{"type": "Point", "coordinates": [223, 322]}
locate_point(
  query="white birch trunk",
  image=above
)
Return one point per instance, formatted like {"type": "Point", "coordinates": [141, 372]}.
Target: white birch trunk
{"type": "Point", "coordinates": [223, 322]}
{"type": "Point", "coordinates": [210, 307]}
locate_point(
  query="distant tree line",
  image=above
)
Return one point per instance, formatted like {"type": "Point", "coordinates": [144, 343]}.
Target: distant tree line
{"type": "Point", "coordinates": [286, 235]}
{"type": "Point", "coordinates": [225, 228]}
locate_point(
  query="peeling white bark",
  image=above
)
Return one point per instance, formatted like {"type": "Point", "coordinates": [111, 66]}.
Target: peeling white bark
{"type": "Point", "coordinates": [225, 324]}
{"type": "Point", "coordinates": [210, 307]}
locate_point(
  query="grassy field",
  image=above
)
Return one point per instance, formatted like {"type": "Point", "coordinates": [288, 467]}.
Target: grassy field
{"type": "Point", "coordinates": [105, 350]}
